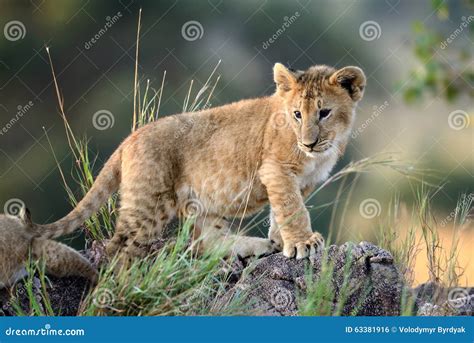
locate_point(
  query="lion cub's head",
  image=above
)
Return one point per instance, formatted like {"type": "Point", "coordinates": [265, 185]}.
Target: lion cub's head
{"type": "Point", "coordinates": [319, 103]}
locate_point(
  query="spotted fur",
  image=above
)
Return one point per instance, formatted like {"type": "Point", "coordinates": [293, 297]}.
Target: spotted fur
{"type": "Point", "coordinates": [229, 162]}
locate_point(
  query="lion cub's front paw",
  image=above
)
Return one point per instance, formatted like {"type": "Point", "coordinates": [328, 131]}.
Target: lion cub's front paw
{"type": "Point", "coordinates": [303, 248]}
{"type": "Point", "coordinates": [253, 246]}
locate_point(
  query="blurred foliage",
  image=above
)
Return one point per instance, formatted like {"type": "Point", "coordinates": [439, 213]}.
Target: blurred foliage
{"type": "Point", "coordinates": [445, 64]}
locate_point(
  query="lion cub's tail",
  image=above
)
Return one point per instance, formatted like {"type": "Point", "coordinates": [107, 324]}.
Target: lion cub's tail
{"type": "Point", "coordinates": [105, 184]}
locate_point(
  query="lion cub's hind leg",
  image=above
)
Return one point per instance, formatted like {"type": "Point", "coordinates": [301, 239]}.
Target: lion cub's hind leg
{"type": "Point", "coordinates": [215, 232]}
{"type": "Point", "coordinates": [141, 221]}
{"type": "Point", "coordinates": [61, 260]}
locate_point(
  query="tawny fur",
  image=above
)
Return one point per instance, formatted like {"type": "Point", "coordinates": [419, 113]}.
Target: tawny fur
{"type": "Point", "coordinates": [18, 242]}
{"type": "Point", "coordinates": [228, 162]}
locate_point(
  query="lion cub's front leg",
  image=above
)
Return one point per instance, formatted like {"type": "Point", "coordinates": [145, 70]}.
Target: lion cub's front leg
{"type": "Point", "coordinates": [289, 212]}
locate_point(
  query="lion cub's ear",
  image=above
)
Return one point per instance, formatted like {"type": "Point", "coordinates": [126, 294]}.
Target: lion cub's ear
{"type": "Point", "coordinates": [284, 79]}
{"type": "Point", "coordinates": [25, 216]}
{"type": "Point", "coordinates": [352, 79]}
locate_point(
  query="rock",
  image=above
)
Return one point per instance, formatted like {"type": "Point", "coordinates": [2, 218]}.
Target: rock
{"type": "Point", "coordinates": [432, 299]}
{"type": "Point", "coordinates": [364, 281]}
{"type": "Point", "coordinates": [65, 296]}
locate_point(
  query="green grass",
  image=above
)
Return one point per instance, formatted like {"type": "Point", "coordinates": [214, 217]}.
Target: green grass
{"type": "Point", "coordinates": [321, 297]}
{"type": "Point", "coordinates": [172, 281]}
{"type": "Point", "coordinates": [39, 303]}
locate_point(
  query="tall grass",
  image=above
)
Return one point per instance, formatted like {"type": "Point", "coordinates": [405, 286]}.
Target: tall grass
{"type": "Point", "coordinates": [172, 281]}
{"type": "Point", "coordinates": [402, 244]}
{"type": "Point", "coordinates": [443, 262]}
{"type": "Point", "coordinates": [461, 216]}
{"type": "Point", "coordinates": [318, 298]}
{"type": "Point", "coordinates": [39, 303]}
{"type": "Point", "coordinates": [430, 234]}
{"type": "Point", "coordinates": [423, 231]}
{"type": "Point", "coordinates": [321, 298]}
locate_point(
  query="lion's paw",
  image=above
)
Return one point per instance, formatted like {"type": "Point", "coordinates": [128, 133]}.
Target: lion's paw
{"type": "Point", "coordinates": [303, 248]}
{"type": "Point", "coordinates": [253, 246]}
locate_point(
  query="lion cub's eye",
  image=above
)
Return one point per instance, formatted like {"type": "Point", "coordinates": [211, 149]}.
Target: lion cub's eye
{"type": "Point", "coordinates": [297, 115]}
{"type": "Point", "coordinates": [325, 112]}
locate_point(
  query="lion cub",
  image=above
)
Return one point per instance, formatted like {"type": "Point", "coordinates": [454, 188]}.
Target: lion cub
{"type": "Point", "coordinates": [17, 241]}
{"type": "Point", "coordinates": [230, 161]}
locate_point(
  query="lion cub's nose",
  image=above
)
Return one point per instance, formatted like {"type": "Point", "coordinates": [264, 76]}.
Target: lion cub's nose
{"type": "Point", "coordinates": [311, 145]}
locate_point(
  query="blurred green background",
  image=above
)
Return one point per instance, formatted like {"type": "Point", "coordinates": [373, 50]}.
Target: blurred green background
{"type": "Point", "coordinates": [417, 56]}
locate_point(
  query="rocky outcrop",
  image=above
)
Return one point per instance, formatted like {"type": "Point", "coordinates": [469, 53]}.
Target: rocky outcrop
{"type": "Point", "coordinates": [356, 280]}
{"type": "Point", "coordinates": [432, 299]}
{"type": "Point", "coordinates": [351, 279]}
